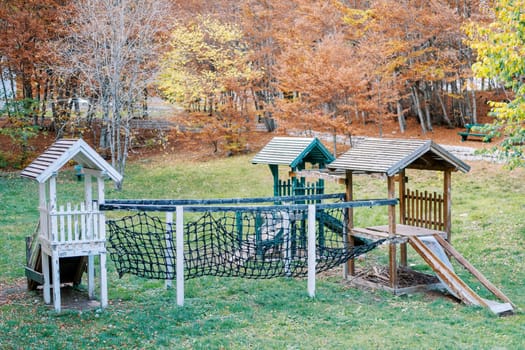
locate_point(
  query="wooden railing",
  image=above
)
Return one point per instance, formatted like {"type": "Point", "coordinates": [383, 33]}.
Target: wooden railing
{"type": "Point", "coordinates": [79, 224]}
{"type": "Point", "coordinates": [424, 209]}
{"type": "Point", "coordinates": [299, 187]}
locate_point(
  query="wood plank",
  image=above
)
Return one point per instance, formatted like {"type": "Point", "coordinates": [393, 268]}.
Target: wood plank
{"type": "Point", "coordinates": [452, 251]}
{"type": "Point", "coordinates": [462, 290]}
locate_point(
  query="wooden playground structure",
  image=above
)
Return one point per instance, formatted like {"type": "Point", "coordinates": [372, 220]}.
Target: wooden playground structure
{"type": "Point", "coordinates": [68, 237]}
{"type": "Point", "coordinates": [422, 214]}
{"type": "Point", "coordinates": [71, 236]}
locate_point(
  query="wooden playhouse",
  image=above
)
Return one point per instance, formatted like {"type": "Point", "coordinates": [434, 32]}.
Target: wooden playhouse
{"type": "Point", "coordinates": [421, 213]}
{"type": "Point", "coordinates": [297, 153]}
{"type": "Point", "coordinates": [69, 235]}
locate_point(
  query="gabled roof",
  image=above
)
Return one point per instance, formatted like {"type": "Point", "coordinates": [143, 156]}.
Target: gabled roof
{"type": "Point", "coordinates": [61, 152]}
{"type": "Point", "coordinates": [293, 151]}
{"type": "Point", "coordinates": [390, 156]}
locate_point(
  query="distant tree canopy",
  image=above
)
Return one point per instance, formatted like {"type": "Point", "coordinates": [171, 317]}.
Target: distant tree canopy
{"type": "Point", "coordinates": [328, 65]}
{"type": "Point", "coordinates": [331, 64]}
{"type": "Point", "coordinates": [500, 48]}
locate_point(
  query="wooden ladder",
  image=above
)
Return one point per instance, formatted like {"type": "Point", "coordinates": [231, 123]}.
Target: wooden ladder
{"type": "Point", "coordinates": [455, 284]}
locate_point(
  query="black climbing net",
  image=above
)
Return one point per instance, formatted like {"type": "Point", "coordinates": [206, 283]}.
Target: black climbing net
{"type": "Point", "coordinates": [243, 243]}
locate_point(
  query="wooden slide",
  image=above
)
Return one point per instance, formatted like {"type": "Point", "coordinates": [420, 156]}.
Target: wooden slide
{"type": "Point", "coordinates": [453, 283]}
{"type": "Point", "coordinates": [71, 268]}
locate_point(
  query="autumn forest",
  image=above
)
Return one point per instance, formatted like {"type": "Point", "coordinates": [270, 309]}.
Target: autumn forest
{"type": "Point", "coordinates": [323, 65]}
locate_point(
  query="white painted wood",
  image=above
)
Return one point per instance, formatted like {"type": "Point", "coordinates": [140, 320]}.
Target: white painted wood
{"type": "Point", "coordinates": [47, 277]}
{"type": "Point", "coordinates": [169, 249]}
{"type": "Point", "coordinates": [285, 223]}
{"type": "Point", "coordinates": [55, 262]}
{"type": "Point", "coordinates": [83, 222]}
{"type": "Point", "coordinates": [88, 188]}
{"type": "Point", "coordinates": [42, 208]}
{"type": "Point", "coordinates": [311, 250]}
{"type": "Point", "coordinates": [61, 229]}
{"type": "Point", "coordinates": [53, 192]}
{"type": "Point", "coordinates": [71, 231]}
{"type": "Point", "coordinates": [91, 276]}
{"type": "Point", "coordinates": [100, 188]}
{"type": "Point", "coordinates": [103, 282]}
{"type": "Point", "coordinates": [63, 151]}
{"type": "Point", "coordinates": [70, 236]}
{"type": "Point", "coordinates": [180, 254]}
{"type": "Point", "coordinates": [52, 235]}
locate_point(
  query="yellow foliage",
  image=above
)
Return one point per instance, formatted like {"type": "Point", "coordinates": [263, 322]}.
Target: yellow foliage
{"type": "Point", "coordinates": [207, 58]}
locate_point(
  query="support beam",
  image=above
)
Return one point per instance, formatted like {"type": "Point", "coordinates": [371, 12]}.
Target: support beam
{"type": "Point", "coordinates": [103, 281]}
{"type": "Point", "coordinates": [91, 276]}
{"type": "Point", "coordinates": [47, 277]}
{"type": "Point", "coordinates": [311, 250]}
{"type": "Point", "coordinates": [402, 214]}
{"type": "Point", "coordinates": [180, 254]}
{"type": "Point", "coordinates": [349, 267]}
{"type": "Point", "coordinates": [55, 262]}
{"type": "Point", "coordinates": [447, 184]}
{"type": "Point", "coordinates": [392, 232]}
{"type": "Point", "coordinates": [169, 249]}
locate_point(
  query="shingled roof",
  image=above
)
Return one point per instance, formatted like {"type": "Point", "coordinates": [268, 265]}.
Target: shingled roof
{"type": "Point", "coordinates": [61, 152]}
{"type": "Point", "coordinates": [293, 151]}
{"type": "Point", "coordinates": [389, 156]}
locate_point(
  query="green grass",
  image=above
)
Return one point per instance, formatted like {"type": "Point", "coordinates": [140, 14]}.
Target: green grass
{"type": "Point", "coordinates": [234, 313]}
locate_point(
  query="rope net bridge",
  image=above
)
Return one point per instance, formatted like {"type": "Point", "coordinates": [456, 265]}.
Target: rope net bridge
{"type": "Point", "coordinates": [257, 241]}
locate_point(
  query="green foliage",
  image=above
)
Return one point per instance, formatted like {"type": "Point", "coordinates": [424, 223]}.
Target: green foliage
{"type": "Point", "coordinates": [20, 128]}
{"type": "Point", "coordinates": [500, 48]}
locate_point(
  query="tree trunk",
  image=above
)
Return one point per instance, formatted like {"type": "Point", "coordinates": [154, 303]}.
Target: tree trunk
{"type": "Point", "coordinates": [4, 89]}
{"type": "Point", "coordinates": [417, 105]}
{"type": "Point", "coordinates": [443, 107]}
{"type": "Point", "coordinates": [401, 117]}
{"type": "Point", "coordinates": [474, 107]}
{"type": "Point", "coordinates": [428, 118]}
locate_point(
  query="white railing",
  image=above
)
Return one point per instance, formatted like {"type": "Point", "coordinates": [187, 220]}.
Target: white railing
{"type": "Point", "coordinates": [73, 224]}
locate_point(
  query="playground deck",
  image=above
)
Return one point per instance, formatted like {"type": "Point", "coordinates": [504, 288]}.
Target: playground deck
{"type": "Point", "coordinates": [402, 231]}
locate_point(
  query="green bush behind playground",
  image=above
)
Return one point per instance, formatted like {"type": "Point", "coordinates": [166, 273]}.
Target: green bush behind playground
{"type": "Point", "coordinates": [488, 221]}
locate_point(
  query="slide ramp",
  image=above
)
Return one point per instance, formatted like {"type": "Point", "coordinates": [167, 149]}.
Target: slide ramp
{"type": "Point", "coordinates": [432, 249]}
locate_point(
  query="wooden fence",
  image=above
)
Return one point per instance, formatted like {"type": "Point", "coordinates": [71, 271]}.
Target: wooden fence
{"type": "Point", "coordinates": [424, 209]}
{"type": "Point", "coordinates": [299, 187]}
{"type": "Point", "coordinates": [78, 224]}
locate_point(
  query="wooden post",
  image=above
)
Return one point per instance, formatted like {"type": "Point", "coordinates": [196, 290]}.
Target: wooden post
{"type": "Point", "coordinates": [311, 250]}
{"type": "Point", "coordinates": [275, 173]}
{"type": "Point", "coordinates": [402, 214]}
{"type": "Point", "coordinates": [42, 206]}
{"type": "Point", "coordinates": [91, 276]}
{"type": "Point", "coordinates": [55, 262]}
{"type": "Point", "coordinates": [47, 277]}
{"type": "Point", "coordinates": [88, 188]}
{"type": "Point", "coordinates": [169, 249]}
{"type": "Point", "coordinates": [102, 235]}
{"type": "Point", "coordinates": [349, 267]}
{"type": "Point", "coordinates": [180, 254]}
{"type": "Point", "coordinates": [392, 231]}
{"type": "Point", "coordinates": [103, 282]}
{"type": "Point", "coordinates": [447, 184]}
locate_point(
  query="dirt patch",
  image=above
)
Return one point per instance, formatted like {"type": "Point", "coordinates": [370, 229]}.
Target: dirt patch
{"type": "Point", "coordinates": [405, 277]}
{"type": "Point", "coordinates": [13, 292]}
{"type": "Point", "coordinates": [72, 298]}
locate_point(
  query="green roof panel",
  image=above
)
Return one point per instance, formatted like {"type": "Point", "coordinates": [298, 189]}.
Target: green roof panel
{"type": "Point", "coordinates": [293, 151]}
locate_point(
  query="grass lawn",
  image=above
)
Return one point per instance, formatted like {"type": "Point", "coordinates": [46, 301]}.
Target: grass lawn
{"type": "Point", "coordinates": [234, 313]}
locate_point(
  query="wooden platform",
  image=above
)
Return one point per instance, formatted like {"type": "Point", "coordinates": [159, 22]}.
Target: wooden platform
{"type": "Point", "coordinates": [402, 232]}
